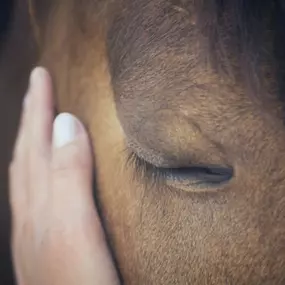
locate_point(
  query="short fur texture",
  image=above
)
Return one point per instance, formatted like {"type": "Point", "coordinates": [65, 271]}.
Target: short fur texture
{"type": "Point", "coordinates": [177, 82]}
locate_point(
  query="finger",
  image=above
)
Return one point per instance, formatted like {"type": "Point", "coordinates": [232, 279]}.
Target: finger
{"type": "Point", "coordinates": [71, 166]}
{"type": "Point", "coordinates": [42, 109]}
{"type": "Point", "coordinates": [40, 119]}
{"type": "Point", "coordinates": [72, 196]}
{"type": "Point", "coordinates": [37, 109]}
{"type": "Point", "coordinates": [95, 259]}
{"type": "Point", "coordinates": [32, 149]}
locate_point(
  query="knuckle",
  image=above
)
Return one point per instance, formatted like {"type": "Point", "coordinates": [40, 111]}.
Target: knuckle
{"type": "Point", "coordinates": [69, 163]}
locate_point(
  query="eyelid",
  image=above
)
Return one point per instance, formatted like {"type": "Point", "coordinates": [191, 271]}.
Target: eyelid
{"type": "Point", "coordinates": [180, 178]}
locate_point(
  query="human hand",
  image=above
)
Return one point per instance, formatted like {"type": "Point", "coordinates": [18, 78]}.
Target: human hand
{"type": "Point", "coordinates": [56, 232]}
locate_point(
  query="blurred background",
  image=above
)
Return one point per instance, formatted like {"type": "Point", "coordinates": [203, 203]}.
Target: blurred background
{"type": "Point", "coordinates": [17, 57]}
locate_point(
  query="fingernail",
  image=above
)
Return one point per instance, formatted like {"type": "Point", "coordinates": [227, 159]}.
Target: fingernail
{"type": "Point", "coordinates": [66, 129]}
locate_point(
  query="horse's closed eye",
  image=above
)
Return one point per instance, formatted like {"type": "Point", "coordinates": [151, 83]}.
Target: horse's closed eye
{"type": "Point", "coordinates": [198, 177]}
{"type": "Point", "coordinates": [195, 178]}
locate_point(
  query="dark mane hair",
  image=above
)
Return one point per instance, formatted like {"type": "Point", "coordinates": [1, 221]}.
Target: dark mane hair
{"type": "Point", "coordinates": [252, 32]}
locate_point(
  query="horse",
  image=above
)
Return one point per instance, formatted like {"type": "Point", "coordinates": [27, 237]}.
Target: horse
{"type": "Point", "coordinates": [184, 104]}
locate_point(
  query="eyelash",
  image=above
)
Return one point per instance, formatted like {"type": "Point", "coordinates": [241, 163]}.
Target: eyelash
{"type": "Point", "coordinates": [144, 171]}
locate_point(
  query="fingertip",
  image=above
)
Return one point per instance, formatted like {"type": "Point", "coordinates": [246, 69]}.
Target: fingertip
{"type": "Point", "coordinates": [38, 74]}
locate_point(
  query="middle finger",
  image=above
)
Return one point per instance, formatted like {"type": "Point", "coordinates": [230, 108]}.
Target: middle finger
{"type": "Point", "coordinates": [40, 118]}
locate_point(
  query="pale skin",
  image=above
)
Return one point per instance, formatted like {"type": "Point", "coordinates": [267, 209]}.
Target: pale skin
{"type": "Point", "coordinates": [56, 232]}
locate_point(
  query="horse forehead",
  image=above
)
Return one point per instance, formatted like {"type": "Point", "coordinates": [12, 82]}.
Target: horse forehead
{"type": "Point", "coordinates": [156, 45]}
{"type": "Point", "coordinates": [149, 41]}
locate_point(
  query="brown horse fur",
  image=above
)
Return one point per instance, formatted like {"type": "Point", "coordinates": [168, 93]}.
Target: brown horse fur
{"type": "Point", "coordinates": [178, 83]}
